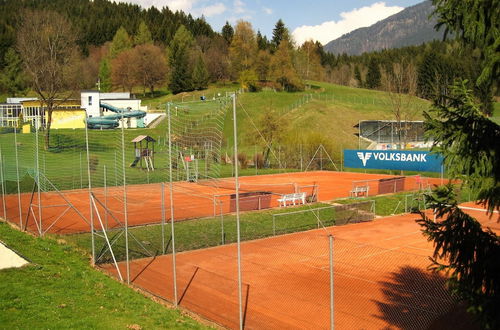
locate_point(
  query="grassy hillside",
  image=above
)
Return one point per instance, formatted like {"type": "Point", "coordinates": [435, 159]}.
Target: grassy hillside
{"type": "Point", "coordinates": [323, 114]}
{"type": "Point", "coordinates": [59, 290]}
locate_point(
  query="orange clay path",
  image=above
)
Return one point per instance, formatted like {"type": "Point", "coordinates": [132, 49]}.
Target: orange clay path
{"type": "Point", "coordinates": [191, 200]}
{"type": "Point", "coordinates": [381, 279]}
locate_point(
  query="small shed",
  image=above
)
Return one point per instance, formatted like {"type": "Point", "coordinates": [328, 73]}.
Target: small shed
{"type": "Point", "coordinates": [144, 148]}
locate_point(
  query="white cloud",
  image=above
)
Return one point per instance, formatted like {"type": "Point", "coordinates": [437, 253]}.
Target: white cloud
{"type": "Point", "coordinates": [266, 10]}
{"type": "Point", "coordinates": [354, 19]}
{"type": "Point", "coordinates": [239, 7]}
{"type": "Point", "coordinates": [212, 10]}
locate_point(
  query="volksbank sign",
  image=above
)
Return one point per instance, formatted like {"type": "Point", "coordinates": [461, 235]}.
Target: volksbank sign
{"type": "Point", "coordinates": [421, 161]}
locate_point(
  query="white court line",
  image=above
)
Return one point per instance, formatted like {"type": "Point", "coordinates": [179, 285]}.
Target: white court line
{"type": "Point", "coordinates": [387, 250]}
{"type": "Point", "coordinates": [474, 209]}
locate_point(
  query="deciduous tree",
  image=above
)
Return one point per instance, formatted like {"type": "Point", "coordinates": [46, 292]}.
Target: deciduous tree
{"type": "Point", "coordinates": [46, 43]}
{"type": "Point", "coordinates": [123, 72]}
{"type": "Point", "coordinates": [149, 66]}
{"type": "Point", "coordinates": [243, 49]}
{"type": "Point", "coordinates": [401, 85]}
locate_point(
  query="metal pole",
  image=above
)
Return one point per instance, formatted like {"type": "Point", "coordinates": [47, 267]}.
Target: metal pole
{"type": "Point", "coordinates": [236, 185]}
{"type": "Point", "coordinates": [125, 201]}
{"type": "Point", "coordinates": [332, 323]}
{"type": "Point", "coordinates": [105, 198]}
{"type": "Point", "coordinates": [2, 177]}
{"type": "Point", "coordinates": [174, 273]}
{"type": "Point", "coordinates": [321, 157]}
{"type": "Point", "coordinates": [301, 158]}
{"type": "Point", "coordinates": [18, 182]}
{"type": "Point", "coordinates": [37, 165]}
{"type": "Point", "coordinates": [162, 186]}
{"type": "Point", "coordinates": [274, 225]}
{"type": "Point", "coordinates": [222, 223]}
{"type": "Point", "coordinates": [81, 173]}
{"type": "Point", "coordinates": [90, 191]}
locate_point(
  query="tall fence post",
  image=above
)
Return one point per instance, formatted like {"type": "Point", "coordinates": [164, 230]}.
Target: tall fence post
{"type": "Point", "coordinates": [222, 223]}
{"type": "Point", "coordinates": [174, 271]}
{"type": "Point", "coordinates": [237, 200]}
{"type": "Point", "coordinates": [2, 177]}
{"type": "Point", "coordinates": [37, 166]}
{"type": "Point", "coordinates": [90, 191]}
{"type": "Point", "coordinates": [105, 197]}
{"type": "Point", "coordinates": [18, 181]}
{"type": "Point", "coordinates": [125, 211]}
{"type": "Point", "coordinates": [332, 320]}
{"type": "Point", "coordinates": [162, 187]}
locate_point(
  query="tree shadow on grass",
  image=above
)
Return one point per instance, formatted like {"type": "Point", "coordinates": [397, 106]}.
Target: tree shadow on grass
{"type": "Point", "coordinates": [417, 299]}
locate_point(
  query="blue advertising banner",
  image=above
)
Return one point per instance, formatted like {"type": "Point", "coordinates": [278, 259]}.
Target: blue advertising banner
{"type": "Point", "coordinates": [420, 161]}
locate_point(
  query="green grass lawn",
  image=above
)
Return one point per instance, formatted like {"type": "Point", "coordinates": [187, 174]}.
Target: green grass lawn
{"type": "Point", "coordinates": [324, 115]}
{"type": "Point", "coordinates": [60, 290]}
{"type": "Point", "coordinates": [194, 234]}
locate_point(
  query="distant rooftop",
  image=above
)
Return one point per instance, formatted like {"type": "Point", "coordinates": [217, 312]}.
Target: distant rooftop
{"type": "Point", "coordinates": [20, 99]}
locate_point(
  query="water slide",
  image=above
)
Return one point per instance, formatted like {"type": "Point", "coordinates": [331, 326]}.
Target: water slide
{"type": "Point", "coordinates": [111, 121]}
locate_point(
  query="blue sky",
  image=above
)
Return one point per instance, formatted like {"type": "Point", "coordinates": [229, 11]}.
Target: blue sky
{"type": "Point", "coordinates": [322, 20]}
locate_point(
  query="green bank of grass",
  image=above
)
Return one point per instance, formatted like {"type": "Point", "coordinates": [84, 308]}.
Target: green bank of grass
{"type": "Point", "coordinates": [386, 205]}
{"type": "Point", "coordinates": [60, 290]}
{"type": "Point", "coordinates": [147, 241]}
{"type": "Point", "coordinates": [389, 204]}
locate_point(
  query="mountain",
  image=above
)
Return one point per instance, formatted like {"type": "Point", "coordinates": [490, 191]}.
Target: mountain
{"type": "Point", "coordinates": [409, 27]}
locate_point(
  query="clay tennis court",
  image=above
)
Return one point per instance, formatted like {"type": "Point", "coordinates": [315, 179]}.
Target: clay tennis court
{"type": "Point", "coordinates": [191, 200]}
{"type": "Point", "coordinates": [381, 279]}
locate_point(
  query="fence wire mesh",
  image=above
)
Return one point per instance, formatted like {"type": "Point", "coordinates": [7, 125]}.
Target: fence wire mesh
{"type": "Point", "coordinates": [148, 232]}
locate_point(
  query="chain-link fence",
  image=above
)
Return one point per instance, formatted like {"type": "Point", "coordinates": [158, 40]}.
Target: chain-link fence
{"type": "Point", "coordinates": [151, 208]}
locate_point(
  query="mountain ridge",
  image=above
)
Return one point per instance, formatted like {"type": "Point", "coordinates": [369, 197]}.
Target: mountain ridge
{"type": "Point", "coordinates": [411, 26]}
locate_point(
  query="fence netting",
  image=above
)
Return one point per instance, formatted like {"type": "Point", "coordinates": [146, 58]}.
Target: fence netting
{"type": "Point", "coordinates": [156, 208]}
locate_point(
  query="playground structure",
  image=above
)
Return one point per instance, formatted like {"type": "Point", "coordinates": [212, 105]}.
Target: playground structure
{"type": "Point", "coordinates": [113, 120]}
{"type": "Point", "coordinates": [145, 152]}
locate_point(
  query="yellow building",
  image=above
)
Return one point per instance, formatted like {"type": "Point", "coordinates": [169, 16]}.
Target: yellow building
{"type": "Point", "coordinates": [67, 114]}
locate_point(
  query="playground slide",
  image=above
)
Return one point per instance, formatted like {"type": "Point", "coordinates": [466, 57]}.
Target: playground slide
{"type": "Point", "coordinates": [111, 121]}
{"type": "Point", "coordinates": [134, 163]}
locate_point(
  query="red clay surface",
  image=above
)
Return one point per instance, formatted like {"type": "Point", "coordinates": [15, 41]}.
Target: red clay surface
{"type": "Point", "coordinates": [381, 279]}
{"type": "Point", "coordinates": [191, 200]}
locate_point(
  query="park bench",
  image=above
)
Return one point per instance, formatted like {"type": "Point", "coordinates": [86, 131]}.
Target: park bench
{"type": "Point", "coordinates": [360, 191]}
{"type": "Point", "coordinates": [292, 198]}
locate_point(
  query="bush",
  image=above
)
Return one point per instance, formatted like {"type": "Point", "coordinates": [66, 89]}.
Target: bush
{"type": "Point", "coordinates": [258, 160]}
{"type": "Point", "coordinates": [243, 160]}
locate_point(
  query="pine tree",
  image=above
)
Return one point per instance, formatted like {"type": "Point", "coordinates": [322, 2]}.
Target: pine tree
{"type": "Point", "coordinates": [228, 32]}
{"type": "Point", "coordinates": [179, 52]}
{"type": "Point", "coordinates": [121, 42]}
{"type": "Point", "coordinates": [105, 75]}
{"type": "Point", "coordinates": [468, 141]}
{"type": "Point", "coordinates": [357, 75]}
{"type": "Point", "coordinates": [12, 78]}
{"type": "Point", "coordinates": [143, 35]}
{"type": "Point", "coordinates": [373, 77]}
{"type": "Point", "coordinates": [262, 42]}
{"type": "Point", "coordinates": [280, 33]}
{"type": "Point", "coordinates": [200, 74]}
{"type": "Point", "coordinates": [475, 22]}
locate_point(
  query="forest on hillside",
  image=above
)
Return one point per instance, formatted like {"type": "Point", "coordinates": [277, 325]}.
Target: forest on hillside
{"type": "Point", "coordinates": [125, 46]}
